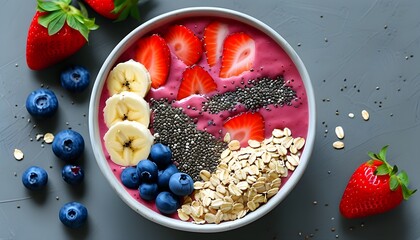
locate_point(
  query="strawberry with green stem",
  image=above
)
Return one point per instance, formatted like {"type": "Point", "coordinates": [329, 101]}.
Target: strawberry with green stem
{"type": "Point", "coordinates": [115, 9]}
{"type": "Point", "coordinates": [57, 31]}
{"type": "Point", "coordinates": [375, 187]}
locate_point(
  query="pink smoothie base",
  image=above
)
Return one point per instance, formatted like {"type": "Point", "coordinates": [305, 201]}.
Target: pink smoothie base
{"type": "Point", "coordinates": [271, 61]}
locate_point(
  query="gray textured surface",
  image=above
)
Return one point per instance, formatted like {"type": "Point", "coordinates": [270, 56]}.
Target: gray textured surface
{"type": "Point", "coordinates": [359, 54]}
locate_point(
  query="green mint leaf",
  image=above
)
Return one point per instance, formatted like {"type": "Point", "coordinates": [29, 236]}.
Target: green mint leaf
{"type": "Point", "coordinates": [56, 24]}
{"type": "Point", "coordinates": [393, 182]}
{"type": "Point", "coordinates": [382, 170]}
{"type": "Point", "coordinates": [46, 19]}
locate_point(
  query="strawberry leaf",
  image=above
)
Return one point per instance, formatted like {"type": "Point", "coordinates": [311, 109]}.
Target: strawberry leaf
{"type": "Point", "coordinates": [393, 182]}
{"type": "Point", "coordinates": [46, 19]}
{"type": "Point", "coordinates": [382, 153]}
{"type": "Point", "coordinates": [407, 193]}
{"type": "Point", "coordinates": [403, 177]}
{"type": "Point", "coordinates": [382, 170]}
{"type": "Point", "coordinates": [47, 6]}
{"type": "Point", "coordinates": [56, 24]}
{"type": "Point", "coordinates": [372, 155]}
{"type": "Point", "coordinates": [394, 170]}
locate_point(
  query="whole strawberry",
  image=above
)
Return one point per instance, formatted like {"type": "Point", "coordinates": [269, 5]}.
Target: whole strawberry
{"type": "Point", "coordinates": [115, 9]}
{"type": "Point", "coordinates": [375, 187]}
{"type": "Point", "coordinates": [57, 31]}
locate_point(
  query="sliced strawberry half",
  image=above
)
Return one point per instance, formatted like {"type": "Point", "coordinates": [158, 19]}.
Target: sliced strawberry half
{"type": "Point", "coordinates": [246, 126]}
{"type": "Point", "coordinates": [154, 54]}
{"type": "Point", "coordinates": [214, 36]}
{"type": "Point", "coordinates": [195, 80]}
{"type": "Point", "coordinates": [238, 55]}
{"type": "Point", "coordinates": [184, 43]}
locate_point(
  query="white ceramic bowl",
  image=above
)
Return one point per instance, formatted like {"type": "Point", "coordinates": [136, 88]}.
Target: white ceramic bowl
{"type": "Point", "coordinates": [95, 110]}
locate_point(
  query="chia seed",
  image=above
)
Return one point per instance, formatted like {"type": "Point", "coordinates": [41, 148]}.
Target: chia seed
{"type": "Point", "coordinates": [257, 94]}
{"type": "Point", "coordinates": [192, 150]}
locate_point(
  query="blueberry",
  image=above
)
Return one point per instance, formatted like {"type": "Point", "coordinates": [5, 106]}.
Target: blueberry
{"type": "Point", "coordinates": [167, 202]}
{"type": "Point", "coordinates": [181, 184]}
{"type": "Point", "coordinates": [73, 214]}
{"type": "Point", "coordinates": [129, 178]}
{"type": "Point", "coordinates": [161, 155]}
{"type": "Point", "coordinates": [147, 171]}
{"type": "Point", "coordinates": [34, 178]}
{"type": "Point", "coordinates": [42, 103]}
{"type": "Point", "coordinates": [148, 191]}
{"type": "Point", "coordinates": [75, 78]}
{"type": "Point", "coordinates": [72, 174]}
{"type": "Point", "coordinates": [68, 145]}
{"type": "Point", "coordinates": [165, 175]}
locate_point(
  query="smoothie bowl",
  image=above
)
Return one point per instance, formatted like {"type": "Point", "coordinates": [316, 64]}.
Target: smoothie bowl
{"type": "Point", "coordinates": [202, 119]}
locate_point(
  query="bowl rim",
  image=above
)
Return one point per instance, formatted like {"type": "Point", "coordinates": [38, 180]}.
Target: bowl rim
{"type": "Point", "coordinates": [111, 60]}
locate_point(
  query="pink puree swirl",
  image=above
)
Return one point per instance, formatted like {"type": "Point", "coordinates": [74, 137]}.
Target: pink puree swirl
{"type": "Point", "coordinates": [270, 61]}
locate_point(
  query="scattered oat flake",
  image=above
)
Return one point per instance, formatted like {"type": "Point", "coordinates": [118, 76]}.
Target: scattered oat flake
{"type": "Point", "coordinates": [365, 115]}
{"type": "Point", "coordinates": [39, 136]}
{"type": "Point", "coordinates": [338, 145]}
{"type": "Point", "coordinates": [351, 115]}
{"type": "Point", "coordinates": [48, 138]}
{"type": "Point", "coordinates": [339, 132]}
{"type": "Point", "coordinates": [18, 154]}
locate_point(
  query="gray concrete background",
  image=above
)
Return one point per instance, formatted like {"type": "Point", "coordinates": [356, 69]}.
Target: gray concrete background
{"type": "Point", "coordinates": [359, 55]}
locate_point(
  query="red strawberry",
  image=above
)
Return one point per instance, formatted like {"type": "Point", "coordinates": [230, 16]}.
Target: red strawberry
{"type": "Point", "coordinates": [375, 187]}
{"type": "Point", "coordinates": [115, 9]}
{"type": "Point", "coordinates": [214, 36]}
{"type": "Point", "coordinates": [185, 44]}
{"type": "Point", "coordinates": [238, 55]}
{"type": "Point", "coordinates": [246, 126]}
{"type": "Point", "coordinates": [154, 54]}
{"type": "Point", "coordinates": [195, 80]}
{"type": "Point", "coordinates": [57, 31]}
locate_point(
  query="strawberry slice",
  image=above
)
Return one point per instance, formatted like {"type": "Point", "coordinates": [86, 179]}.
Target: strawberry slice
{"type": "Point", "coordinates": [195, 80]}
{"type": "Point", "coordinates": [238, 55]}
{"type": "Point", "coordinates": [214, 36]}
{"type": "Point", "coordinates": [184, 43]}
{"type": "Point", "coordinates": [154, 54]}
{"type": "Point", "coordinates": [246, 126]}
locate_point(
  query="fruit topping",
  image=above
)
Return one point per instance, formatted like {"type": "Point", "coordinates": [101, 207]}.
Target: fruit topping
{"type": "Point", "coordinates": [115, 10]}
{"type": "Point", "coordinates": [148, 191]}
{"type": "Point", "coordinates": [42, 103]}
{"type": "Point", "coordinates": [73, 214]}
{"type": "Point", "coordinates": [246, 126]}
{"type": "Point", "coordinates": [72, 174]}
{"type": "Point", "coordinates": [34, 178]}
{"type": "Point", "coordinates": [184, 43]}
{"type": "Point", "coordinates": [167, 202]}
{"type": "Point", "coordinates": [68, 145]}
{"type": "Point", "coordinates": [130, 76]}
{"type": "Point", "coordinates": [130, 178]}
{"type": "Point", "coordinates": [181, 184]}
{"type": "Point", "coordinates": [154, 54]}
{"type": "Point", "coordinates": [126, 106]}
{"type": "Point", "coordinates": [238, 55]}
{"type": "Point", "coordinates": [165, 175]}
{"type": "Point", "coordinates": [161, 155]}
{"type": "Point", "coordinates": [214, 37]}
{"type": "Point", "coordinates": [195, 80]}
{"type": "Point", "coordinates": [128, 142]}
{"type": "Point", "coordinates": [147, 171]}
{"type": "Point", "coordinates": [75, 78]}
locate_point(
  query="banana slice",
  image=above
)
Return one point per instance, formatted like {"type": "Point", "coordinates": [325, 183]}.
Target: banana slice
{"type": "Point", "coordinates": [128, 142]}
{"type": "Point", "coordinates": [126, 106]}
{"type": "Point", "coordinates": [129, 76]}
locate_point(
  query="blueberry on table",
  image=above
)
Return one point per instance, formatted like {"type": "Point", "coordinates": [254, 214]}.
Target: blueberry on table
{"type": "Point", "coordinates": [181, 184]}
{"type": "Point", "coordinates": [34, 178]}
{"type": "Point", "coordinates": [148, 191]}
{"type": "Point", "coordinates": [75, 78]}
{"type": "Point", "coordinates": [41, 103]}
{"type": "Point", "coordinates": [165, 175]}
{"type": "Point", "coordinates": [161, 155]}
{"type": "Point", "coordinates": [147, 171]}
{"type": "Point", "coordinates": [68, 145]}
{"type": "Point", "coordinates": [72, 174]}
{"type": "Point", "coordinates": [167, 202]}
{"type": "Point", "coordinates": [129, 178]}
{"type": "Point", "coordinates": [73, 214]}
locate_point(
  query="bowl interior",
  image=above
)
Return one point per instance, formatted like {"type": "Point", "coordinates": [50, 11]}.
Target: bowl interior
{"type": "Point", "coordinates": [294, 70]}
